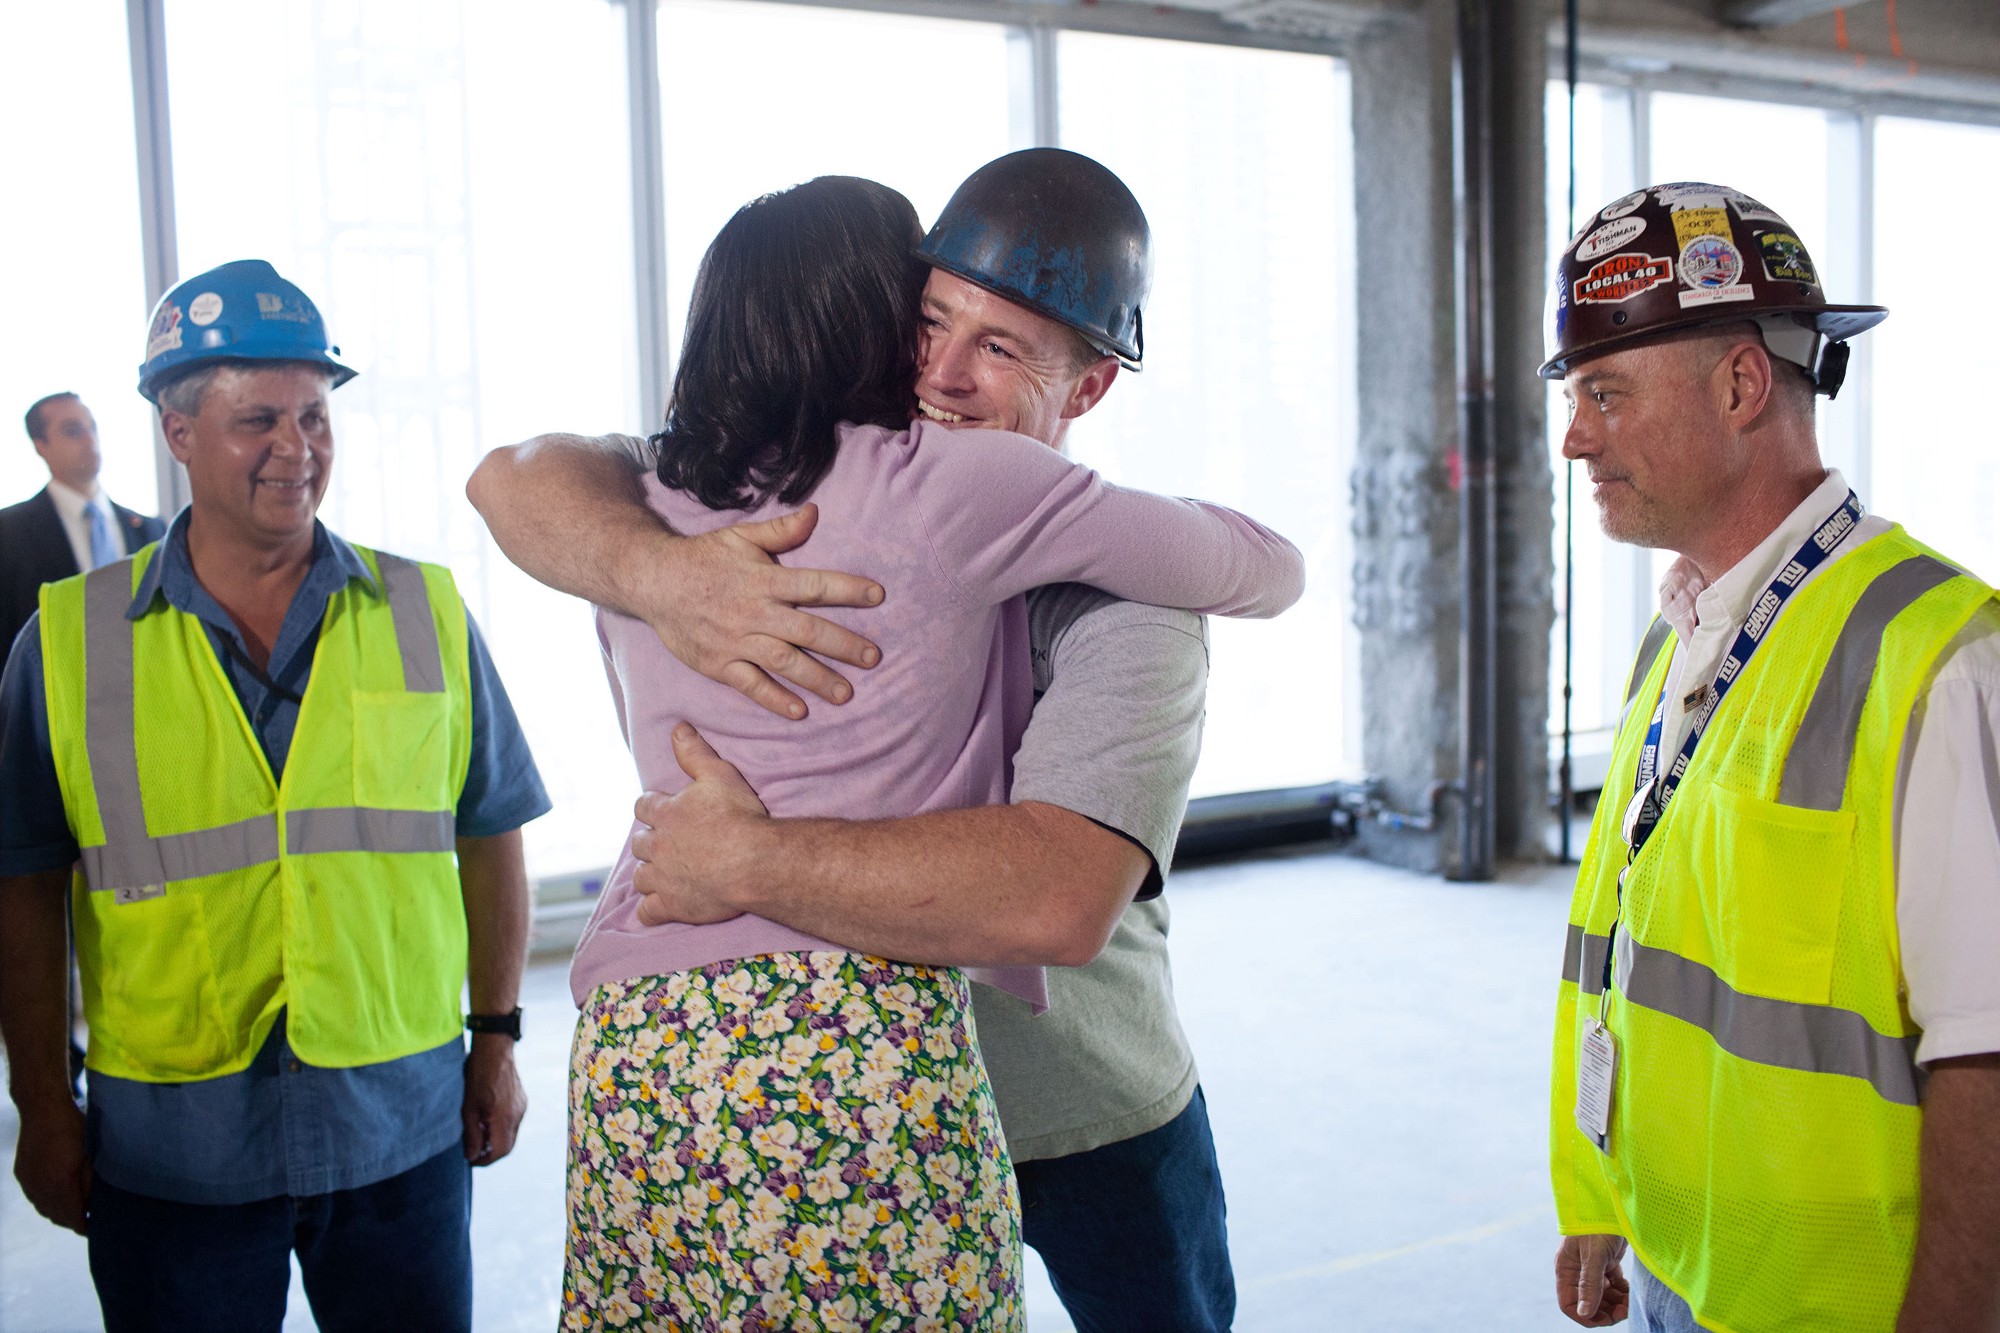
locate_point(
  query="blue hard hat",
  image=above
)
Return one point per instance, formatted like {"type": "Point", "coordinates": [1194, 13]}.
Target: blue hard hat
{"type": "Point", "coordinates": [1057, 232]}
{"type": "Point", "coordinates": [242, 311]}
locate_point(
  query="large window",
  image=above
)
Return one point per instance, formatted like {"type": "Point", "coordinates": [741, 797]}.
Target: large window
{"type": "Point", "coordinates": [449, 179]}
{"type": "Point", "coordinates": [76, 286]}
{"type": "Point", "coordinates": [1936, 464]}
{"type": "Point", "coordinates": [836, 92]}
{"type": "Point", "coordinates": [1242, 161]}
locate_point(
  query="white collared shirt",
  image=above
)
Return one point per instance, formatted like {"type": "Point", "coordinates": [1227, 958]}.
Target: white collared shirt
{"type": "Point", "coordinates": [70, 507]}
{"type": "Point", "coordinates": [1947, 808]}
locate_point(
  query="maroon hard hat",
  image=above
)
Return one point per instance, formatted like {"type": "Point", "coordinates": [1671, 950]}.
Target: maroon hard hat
{"type": "Point", "coordinates": [1687, 254]}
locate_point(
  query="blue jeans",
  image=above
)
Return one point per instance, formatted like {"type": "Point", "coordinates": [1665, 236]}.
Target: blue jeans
{"type": "Point", "coordinates": [1134, 1234]}
{"type": "Point", "coordinates": [393, 1255]}
{"type": "Point", "coordinates": [1655, 1307]}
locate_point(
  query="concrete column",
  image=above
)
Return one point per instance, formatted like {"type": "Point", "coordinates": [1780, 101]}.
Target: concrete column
{"type": "Point", "coordinates": [1408, 574]}
{"type": "Point", "coordinates": [1527, 589]}
{"type": "Point", "coordinates": [1406, 568]}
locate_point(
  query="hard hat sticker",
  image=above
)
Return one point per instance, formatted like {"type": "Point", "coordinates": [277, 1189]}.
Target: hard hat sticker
{"type": "Point", "coordinates": [165, 335]}
{"type": "Point", "coordinates": [205, 309]}
{"type": "Point", "coordinates": [287, 306]}
{"type": "Point", "coordinates": [1618, 208]}
{"type": "Point", "coordinates": [1742, 291]}
{"type": "Point", "coordinates": [1612, 236]}
{"type": "Point", "coordinates": [1690, 223]}
{"type": "Point", "coordinates": [1709, 263]}
{"type": "Point", "coordinates": [1785, 258]}
{"type": "Point", "coordinates": [1622, 277]}
{"type": "Point", "coordinates": [1751, 211]}
{"type": "Point", "coordinates": [1689, 194]}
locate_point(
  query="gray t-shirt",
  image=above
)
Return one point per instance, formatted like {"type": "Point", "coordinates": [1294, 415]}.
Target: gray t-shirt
{"type": "Point", "coordinates": [1114, 737]}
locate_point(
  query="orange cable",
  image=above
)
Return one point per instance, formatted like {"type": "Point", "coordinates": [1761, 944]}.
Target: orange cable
{"type": "Point", "coordinates": [1840, 35]}
{"type": "Point", "coordinates": [1896, 39]}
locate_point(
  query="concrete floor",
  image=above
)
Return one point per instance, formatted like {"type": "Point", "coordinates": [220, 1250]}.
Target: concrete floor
{"type": "Point", "coordinates": [1374, 1047]}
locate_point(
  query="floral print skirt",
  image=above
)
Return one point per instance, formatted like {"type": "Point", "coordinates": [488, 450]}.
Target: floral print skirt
{"type": "Point", "coordinates": [793, 1141]}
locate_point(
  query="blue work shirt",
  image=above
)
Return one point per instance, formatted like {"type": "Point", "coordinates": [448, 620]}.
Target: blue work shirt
{"type": "Point", "coordinates": [281, 1126]}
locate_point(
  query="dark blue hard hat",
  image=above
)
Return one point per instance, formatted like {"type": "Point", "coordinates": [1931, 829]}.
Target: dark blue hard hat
{"type": "Point", "coordinates": [242, 311]}
{"type": "Point", "coordinates": [1056, 232]}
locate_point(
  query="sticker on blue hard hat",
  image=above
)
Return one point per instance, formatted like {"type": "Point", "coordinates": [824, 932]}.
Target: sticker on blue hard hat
{"type": "Point", "coordinates": [165, 335]}
{"type": "Point", "coordinates": [205, 309]}
{"type": "Point", "coordinates": [288, 306]}
{"type": "Point", "coordinates": [1785, 258]}
{"type": "Point", "coordinates": [1611, 236]}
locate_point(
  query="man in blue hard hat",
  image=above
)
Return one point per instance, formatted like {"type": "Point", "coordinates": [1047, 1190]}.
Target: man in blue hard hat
{"type": "Point", "coordinates": [1040, 272]}
{"type": "Point", "coordinates": [279, 787]}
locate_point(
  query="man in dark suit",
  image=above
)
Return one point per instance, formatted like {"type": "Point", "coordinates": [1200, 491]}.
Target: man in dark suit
{"type": "Point", "coordinates": [70, 525]}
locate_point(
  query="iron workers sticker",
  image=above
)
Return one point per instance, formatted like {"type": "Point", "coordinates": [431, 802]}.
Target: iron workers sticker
{"type": "Point", "coordinates": [1611, 236]}
{"type": "Point", "coordinates": [1785, 258]}
{"type": "Point", "coordinates": [1623, 276]}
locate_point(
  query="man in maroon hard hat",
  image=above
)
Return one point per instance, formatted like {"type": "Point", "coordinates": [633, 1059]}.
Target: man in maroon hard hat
{"type": "Point", "coordinates": [1041, 264]}
{"type": "Point", "coordinates": [1777, 1054]}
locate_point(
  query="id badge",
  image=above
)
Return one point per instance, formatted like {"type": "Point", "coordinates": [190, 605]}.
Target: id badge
{"type": "Point", "coordinates": [1596, 1067]}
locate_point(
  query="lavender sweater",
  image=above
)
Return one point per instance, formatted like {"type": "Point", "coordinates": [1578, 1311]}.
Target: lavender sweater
{"type": "Point", "coordinates": [957, 526]}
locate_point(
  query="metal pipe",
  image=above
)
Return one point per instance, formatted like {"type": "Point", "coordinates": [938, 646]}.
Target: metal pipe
{"type": "Point", "coordinates": [1566, 774]}
{"type": "Point", "coordinates": [649, 207]}
{"type": "Point", "coordinates": [1478, 638]}
{"type": "Point", "coordinates": [152, 136]}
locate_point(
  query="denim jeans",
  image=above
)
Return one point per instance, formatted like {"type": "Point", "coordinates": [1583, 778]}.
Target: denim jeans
{"type": "Point", "coordinates": [1655, 1307]}
{"type": "Point", "coordinates": [388, 1256]}
{"type": "Point", "coordinates": [1134, 1233]}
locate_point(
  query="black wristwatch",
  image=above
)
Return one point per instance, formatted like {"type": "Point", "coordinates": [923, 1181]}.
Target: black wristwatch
{"type": "Point", "coordinates": [507, 1025]}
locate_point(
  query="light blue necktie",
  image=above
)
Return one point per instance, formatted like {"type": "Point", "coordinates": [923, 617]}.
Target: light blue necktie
{"type": "Point", "coordinates": [104, 548]}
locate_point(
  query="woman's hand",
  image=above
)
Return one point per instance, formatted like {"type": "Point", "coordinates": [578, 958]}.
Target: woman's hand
{"type": "Point", "coordinates": [692, 840]}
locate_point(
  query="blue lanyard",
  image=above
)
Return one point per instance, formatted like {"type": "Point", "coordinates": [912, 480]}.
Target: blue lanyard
{"type": "Point", "coordinates": [1762, 613]}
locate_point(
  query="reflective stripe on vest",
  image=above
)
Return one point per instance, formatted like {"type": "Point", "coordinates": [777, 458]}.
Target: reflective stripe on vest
{"type": "Point", "coordinates": [1649, 649]}
{"type": "Point", "coordinates": [134, 865]}
{"type": "Point", "coordinates": [1814, 1038]}
{"type": "Point", "coordinates": [1815, 773]}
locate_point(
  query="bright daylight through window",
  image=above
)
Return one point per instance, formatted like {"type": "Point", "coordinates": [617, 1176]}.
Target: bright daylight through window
{"type": "Point", "coordinates": [78, 284]}
{"type": "Point", "coordinates": [1243, 161]}
{"type": "Point", "coordinates": [472, 250]}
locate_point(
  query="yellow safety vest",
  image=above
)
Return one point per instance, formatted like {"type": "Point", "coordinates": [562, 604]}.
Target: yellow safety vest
{"type": "Point", "coordinates": [1762, 1155]}
{"type": "Point", "coordinates": [208, 895]}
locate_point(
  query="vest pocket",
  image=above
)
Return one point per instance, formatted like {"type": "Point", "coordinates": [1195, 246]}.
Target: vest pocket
{"type": "Point", "coordinates": [401, 750]}
{"type": "Point", "coordinates": [150, 995]}
{"type": "Point", "coordinates": [1771, 878]}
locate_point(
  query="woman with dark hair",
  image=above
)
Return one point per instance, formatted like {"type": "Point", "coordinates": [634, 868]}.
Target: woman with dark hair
{"type": "Point", "coordinates": [767, 1130]}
